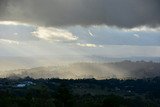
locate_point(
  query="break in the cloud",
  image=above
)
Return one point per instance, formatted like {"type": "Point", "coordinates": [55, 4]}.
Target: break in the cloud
{"type": "Point", "coordinates": [104, 35]}
{"type": "Point", "coordinates": [16, 31]}
{"type": "Point", "coordinates": [121, 13]}
{"type": "Point", "coordinates": [54, 34]}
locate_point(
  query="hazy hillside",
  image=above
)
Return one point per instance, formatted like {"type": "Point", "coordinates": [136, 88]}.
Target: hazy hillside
{"type": "Point", "coordinates": [125, 69]}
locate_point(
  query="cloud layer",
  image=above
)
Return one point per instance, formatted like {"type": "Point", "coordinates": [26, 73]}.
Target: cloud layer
{"type": "Point", "coordinates": [121, 13]}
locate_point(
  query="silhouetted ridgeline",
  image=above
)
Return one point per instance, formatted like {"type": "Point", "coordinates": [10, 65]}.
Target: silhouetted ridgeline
{"type": "Point", "coordinates": [54, 92]}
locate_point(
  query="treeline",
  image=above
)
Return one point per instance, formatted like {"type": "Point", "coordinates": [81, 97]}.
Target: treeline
{"type": "Point", "coordinates": [62, 93]}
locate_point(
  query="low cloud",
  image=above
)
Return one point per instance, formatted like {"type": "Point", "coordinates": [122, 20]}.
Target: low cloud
{"type": "Point", "coordinates": [89, 45]}
{"type": "Point", "coordinates": [7, 41]}
{"type": "Point", "coordinates": [90, 33]}
{"type": "Point", "coordinates": [53, 34]}
{"type": "Point", "coordinates": [142, 29]}
{"type": "Point", "coordinates": [13, 23]}
{"type": "Point", "coordinates": [136, 35]}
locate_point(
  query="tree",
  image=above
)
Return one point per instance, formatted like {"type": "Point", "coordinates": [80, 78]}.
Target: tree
{"type": "Point", "coordinates": [63, 96]}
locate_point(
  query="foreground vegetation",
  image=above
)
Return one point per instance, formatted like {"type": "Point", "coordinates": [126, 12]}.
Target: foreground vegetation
{"type": "Point", "coordinates": [29, 92]}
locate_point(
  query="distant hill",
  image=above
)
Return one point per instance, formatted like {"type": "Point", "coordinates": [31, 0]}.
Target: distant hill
{"type": "Point", "coordinates": [122, 70]}
{"type": "Point", "coordinates": [12, 63]}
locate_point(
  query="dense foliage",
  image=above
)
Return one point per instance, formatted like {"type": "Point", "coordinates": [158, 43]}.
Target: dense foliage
{"type": "Point", "coordinates": [29, 92]}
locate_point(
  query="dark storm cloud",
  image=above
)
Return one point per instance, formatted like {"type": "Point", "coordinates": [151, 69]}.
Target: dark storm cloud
{"type": "Point", "coordinates": [120, 13]}
{"type": "Point", "coordinates": [3, 4]}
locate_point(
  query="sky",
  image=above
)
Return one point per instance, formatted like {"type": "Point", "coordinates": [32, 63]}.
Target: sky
{"type": "Point", "coordinates": [61, 29]}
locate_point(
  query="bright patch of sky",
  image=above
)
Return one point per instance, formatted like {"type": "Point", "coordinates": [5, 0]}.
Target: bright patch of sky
{"type": "Point", "coordinates": [18, 39]}
{"type": "Point", "coordinates": [113, 36]}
